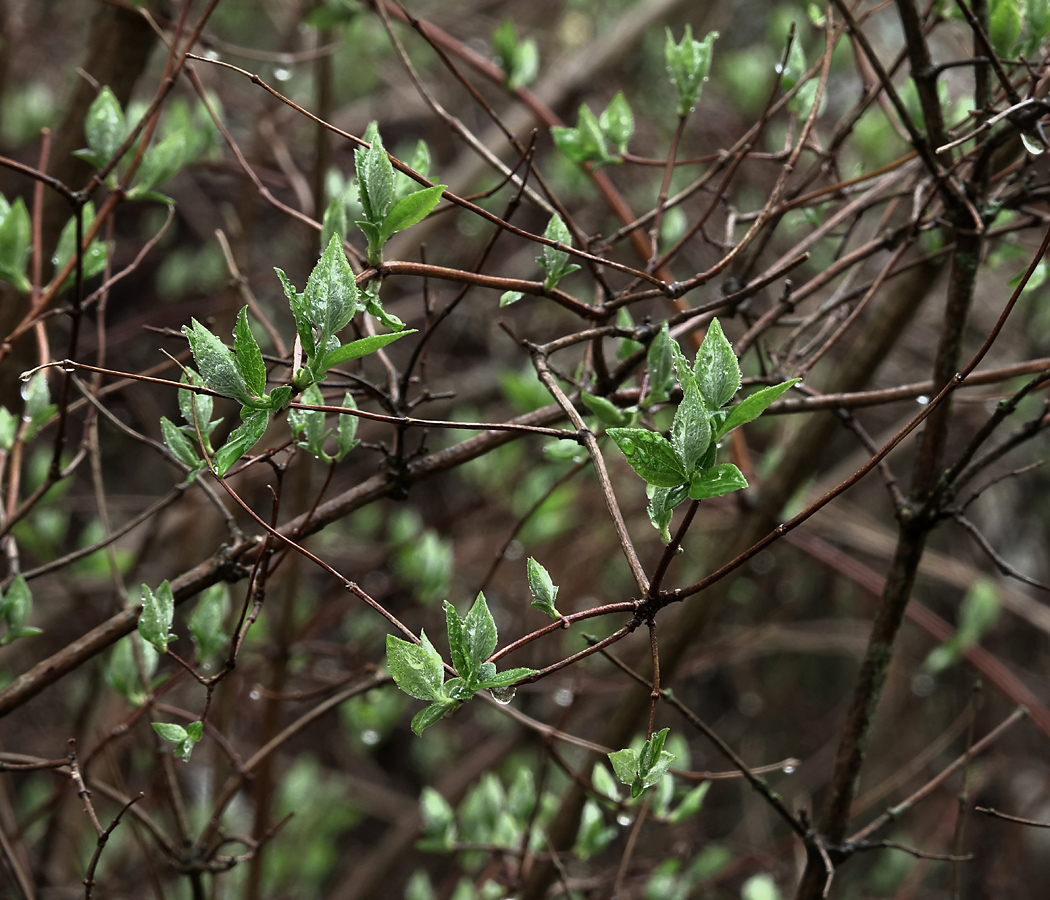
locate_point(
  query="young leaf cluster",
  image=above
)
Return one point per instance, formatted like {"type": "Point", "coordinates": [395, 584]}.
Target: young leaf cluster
{"type": "Point", "coordinates": [326, 306]}
{"type": "Point", "coordinates": [688, 63]}
{"type": "Point", "coordinates": [184, 739]}
{"type": "Point", "coordinates": [683, 465]}
{"type": "Point", "coordinates": [642, 770]}
{"type": "Point", "coordinates": [519, 59]}
{"type": "Point", "coordinates": [386, 213]}
{"type": "Point", "coordinates": [183, 137]}
{"type": "Point", "coordinates": [419, 671]}
{"type": "Point", "coordinates": [602, 140]}
{"type": "Point", "coordinates": [308, 426]}
{"type": "Point", "coordinates": [183, 440]}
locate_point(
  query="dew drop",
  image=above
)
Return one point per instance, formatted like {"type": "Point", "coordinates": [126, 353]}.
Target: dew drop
{"type": "Point", "coordinates": [370, 737]}
{"type": "Point", "coordinates": [623, 819]}
{"type": "Point", "coordinates": [254, 695]}
{"type": "Point", "coordinates": [789, 769]}
{"type": "Point", "coordinates": [210, 54]}
{"type": "Point", "coordinates": [503, 695]}
{"type": "Point", "coordinates": [922, 399]}
{"type": "Point", "coordinates": [282, 74]}
{"type": "Point", "coordinates": [1032, 144]}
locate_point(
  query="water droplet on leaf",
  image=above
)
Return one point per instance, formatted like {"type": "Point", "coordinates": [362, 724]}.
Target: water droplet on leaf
{"type": "Point", "coordinates": [503, 695]}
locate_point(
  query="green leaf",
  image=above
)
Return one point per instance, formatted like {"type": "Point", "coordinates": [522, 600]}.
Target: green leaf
{"type": "Point", "coordinates": [979, 611]}
{"type": "Point", "coordinates": [687, 65]}
{"type": "Point", "coordinates": [431, 714]}
{"type": "Point", "coordinates": [122, 673]}
{"type": "Point", "coordinates": [509, 297]}
{"type": "Point", "coordinates": [585, 142]}
{"type": "Point", "coordinates": [8, 428]}
{"type": "Point", "coordinates": [196, 409]}
{"type": "Point", "coordinates": [479, 637]}
{"type": "Point", "coordinates": [345, 439]}
{"type": "Point", "coordinates": [158, 610]}
{"type": "Point", "coordinates": [682, 367]}
{"type": "Point", "coordinates": [795, 67]}
{"type": "Point", "coordinates": [662, 503]}
{"type": "Point", "coordinates": [544, 590]}
{"type": "Point", "coordinates": [594, 835]}
{"type": "Point", "coordinates": [660, 358]}
{"type": "Point", "coordinates": [374, 234]}
{"type": "Point", "coordinates": [297, 304]}
{"type": "Point", "coordinates": [159, 163]}
{"type": "Point", "coordinates": [752, 407]}
{"type": "Point", "coordinates": [104, 125]}
{"type": "Point", "coordinates": [241, 439]}
{"type": "Point", "coordinates": [14, 245]}
{"type": "Point", "coordinates": [518, 59]}
{"type": "Point", "coordinates": [334, 225]}
{"type": "Point", "coordinates": [176, 734]}
{"type": "Point", "coordinates": [375, 175]}
{"type": "Point", "coordinates": [15, 608]}
{"type": "Point", "coordinates": [717, 370]}
{"type": "Point", "coordinates": [716, 481]}
{"type": "Point", "coordinates": [410, 209]}
{"type": "Point", "coordinates": [216, 363]}
{"type": "Point", "coordinates": [625, 765]}
{"type": "Point", "coordinates": [759, 887]}
{"type": "Point", "coordinates": [555, 262]}
{"type": "Point", "coordinates": [206, 622]}
{"type": "Point", "coordinates": [438, 817]}
{"type": "Point", "coordinates": [651, 455]}
{"type": "Point", "coordinates": [505, 679]}
{"type": "Point", "coordinates": [183, 738]}
{"type": "Point", "coordinates": [608, 412]}
{"type": "Point", "coordinates": [279, 398]}
{"type": "Point", "coordinates": [617, 122]}
{"type": "Point", "coordinates": [416, 668]}
{"type": "Point", "coordinates": [591, 132]}
{"type": "Point", "coordinates": [331, 295]}
{"type": "Point", "coordinates": [1004, 26]}
{"type": "Point", "coordinates": [94, 258]}
{"type": "Point", "coordinates": [361, 347]}
{"type": "Point", "coordinates": [179, 444]}
{"type": "Point", "coordinates": [505, 42]}
{"type": "Point", "coordinates": [310, 423]}
{"type": "Point", "coordinates": [643, 770]}
{"type": "Point", "coordinates": [690, 431]}
{"type": "Point", "coordinates": [420, 163]}
{"type": "Point", "coordinates": [457, 641]}
{"type": "Point", "coordinates": [375, 308]}
{"type": "Point", "coordinates": [248, 355]}
{"type": "Point", "coordinates": [690, 804]}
